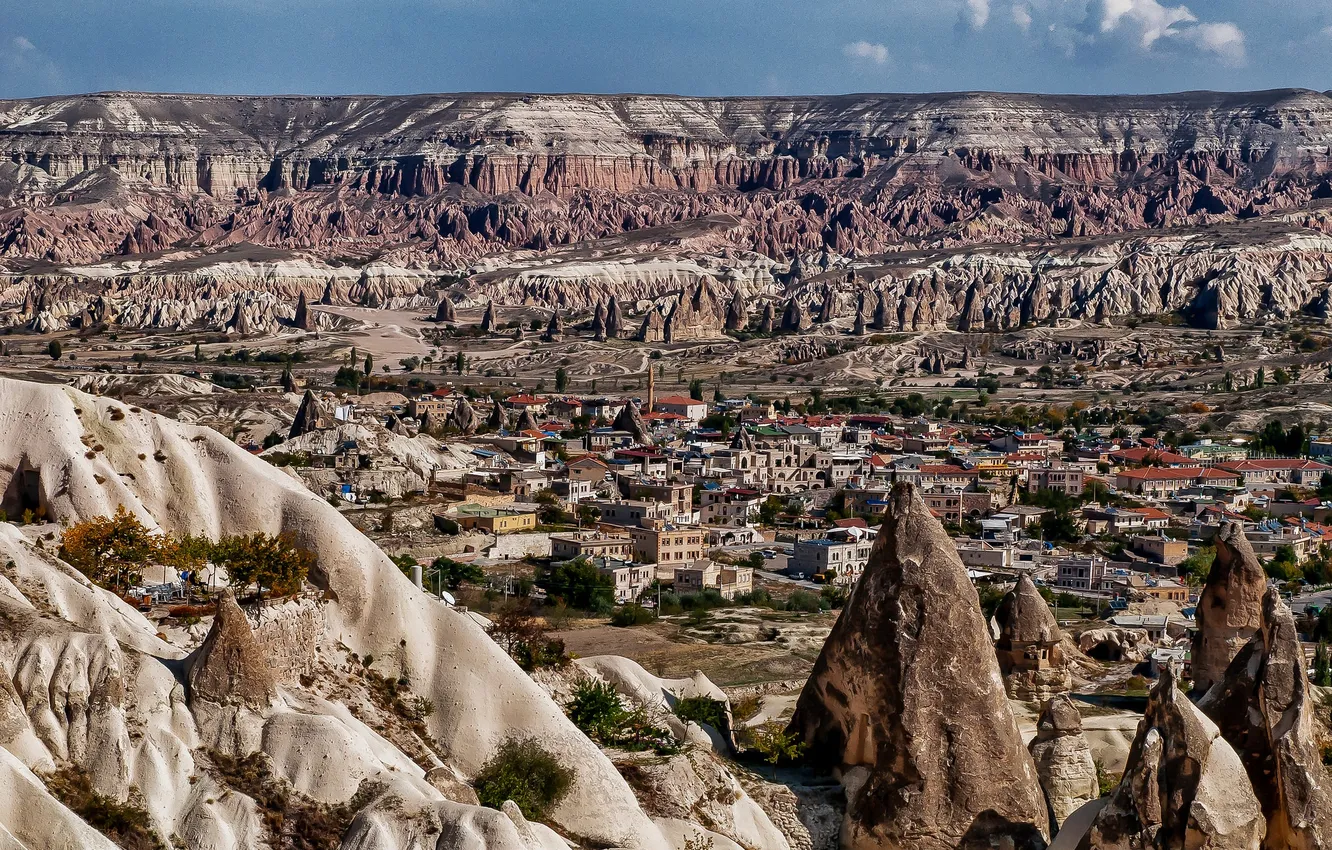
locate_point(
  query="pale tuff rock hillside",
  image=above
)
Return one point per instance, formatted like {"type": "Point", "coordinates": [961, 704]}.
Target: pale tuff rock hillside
{"type": "Point", "coordinates": [89, 683]}
{"type": "Point", "coordinates": [184, 210]}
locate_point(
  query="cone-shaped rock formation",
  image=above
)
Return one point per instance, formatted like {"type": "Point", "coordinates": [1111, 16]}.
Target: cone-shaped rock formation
{"type": "Point", "coordinates": [1265, 711]}
{"type": "Point", "coordinates": [1028, 647]}
{"type": "Point", "coordinates": [309, 416]}
{"type": "Point", "coordinates": [303, 319]}
{"type": "Point", "coordinates": [1230, 609]}
{"type": "Point", "coordinates": [444, 311]}
{"type": "Point", "coordinates": [1183, 786]}
{"type": "Point", "coordinates": [630, 420]}
{"type": "Point", "coordinates": [1063, 759]}
{"type": "Point", "coordinates": [229, 667]}
{"type": "Point", "coordinates": [907, 700]}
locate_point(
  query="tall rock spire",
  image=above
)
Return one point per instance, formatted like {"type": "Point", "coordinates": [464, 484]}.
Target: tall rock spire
{"type": "Point", "coordinates": [1230, 608]}
{"type": "Point", "coordinates": [906, 699]}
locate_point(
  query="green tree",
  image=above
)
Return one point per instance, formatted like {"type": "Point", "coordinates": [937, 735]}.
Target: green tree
{"type": "Point", "coordinates": [460, 362]}
{"type": "Point", "coordinates": [1284, 565]}
{"type": "Point", "coordinates": [272, 563]}
{"type": "Point", "coordinates": [198, 353]}
{"type": "Point", "coordinates": [578, 583]}
{"type": "Point", "coordinates": [369, 365]}
{"type": "Point", "coordinates": [696, 389]}
{"type": "Point", "coordinates": [1195, 567]}
{"type": "Point", "coordinates": [1322, 667]}
{"type": "Point", "coordinates": [561, 380]}
{"type": "Point", "coordinates": [54, 350]}
{"type": "Point", "coordinates": [111, 551]}
{"type": "Point", "coordinates": [453, 573]}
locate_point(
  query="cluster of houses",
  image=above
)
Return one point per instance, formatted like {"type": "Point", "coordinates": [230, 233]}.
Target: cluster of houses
{"type": "Point", "coordinates": [680, 490]}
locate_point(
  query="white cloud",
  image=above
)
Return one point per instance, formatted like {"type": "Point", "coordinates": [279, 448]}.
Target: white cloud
{"type": "Point", "coordinates": [1224, 39]}
{"type": "Point", "coordinates": [1151, 19]}
{"type": "Point", "coordinates": [876, 53]}
{"type": "Point", "coordinates": [24, 65]}
{"type": "Point", "coordinates": [978, 13]}
{"type": "Point", "coordinates": [1022, 17]}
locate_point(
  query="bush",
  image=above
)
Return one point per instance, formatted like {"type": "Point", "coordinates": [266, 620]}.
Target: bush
{"type": "Point", "coordinates": [803, 600]}
{"type": "Point", "coordinates": [774, 743]}
{"type": "Point", "coordinates": [126, 824]}
{"type": "Point", "coordinates": [702, 710]}
{"type": "Point", "coordinates": [597, 710]}
{"type": "Point", "coordinates": [524, 772]}
{"type": "Point", "coordinates": [631, 615]}
{"type": "Point", "coordinates": [524, 637]}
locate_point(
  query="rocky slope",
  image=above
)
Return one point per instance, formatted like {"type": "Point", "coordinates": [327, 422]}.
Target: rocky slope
{"type": "Point", "coordinates": [90, 684]}
{"type": "Point", "coordinates": [561, 199]}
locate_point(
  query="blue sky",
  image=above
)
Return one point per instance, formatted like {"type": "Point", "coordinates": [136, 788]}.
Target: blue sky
{"type": "Point", "coordinates": [702, 47]}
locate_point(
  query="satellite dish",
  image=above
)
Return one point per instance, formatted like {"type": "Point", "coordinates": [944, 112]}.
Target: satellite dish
{"type": "Point", "coordinates": [445, 596]}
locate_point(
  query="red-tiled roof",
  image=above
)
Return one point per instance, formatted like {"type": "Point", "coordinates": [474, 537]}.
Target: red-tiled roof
{"type": "Point", "coordinates": [945, 469]}
{"type": "Point", "coordinates": [852, 522]}
{"type": "Point", "coordinates": [1153, 473]}
{"type": "Point", "coordinates": [679, 400]}
{"type": "Point", "coordinates": [1274, 463]}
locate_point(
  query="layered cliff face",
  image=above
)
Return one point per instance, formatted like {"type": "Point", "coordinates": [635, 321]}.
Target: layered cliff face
{"type": "Point", "coordinates": [368, 200]}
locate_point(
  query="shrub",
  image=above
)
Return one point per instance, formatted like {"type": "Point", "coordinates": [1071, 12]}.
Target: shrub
{"type": "Point", "coordinates": [265, 561]}
{"type": "Point", "coordinates": [524, 772]}
{"type": "Point", "coordinates": [1107, 782]}
{"type": "Point", "coordinates": [803, 600]}
{"type": "Point", "coordinates": [524, 637]}
{"type": "Point", "coordinates": [631, 615]}
{"type": "Point", "coordinates": [702, 710]}
{"type": "Point", "coordinates": [774, 743]}
{"type": "Point", "coordinates": [596, 709]}
{"type": "Point", "coordinates": [126, 824]}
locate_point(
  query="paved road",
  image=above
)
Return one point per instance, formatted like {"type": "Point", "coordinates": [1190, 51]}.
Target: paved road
{"type": "Point", "coordinates": [774, 569]}
{"type": "Point", "coordinates": [785, 579]}
{"type": "Point", "coordinates": [1320, 599]}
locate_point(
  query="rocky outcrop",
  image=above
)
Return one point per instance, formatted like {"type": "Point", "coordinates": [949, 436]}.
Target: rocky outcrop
{"type": "Point", "coordinates": [737, 313]}
{"type": "Point", "coordinates": [488, 318]}
{"type": "Point", "coordinates": [630, 420]}
{"type": "Point", "coordinates": [445, 312]}
{"type": "Point", "coordinates": [765, 324]}
{"type": "Point", "coordinates": [229, 667]}
{"type": "Point", "coordinates": [463, 418]}
{"type": "Point", "coordinates": [554, 328]}
{"type": "Point", "coordinates": [498, 419]}
{"type": "Point", "coordinates": [1230, 608]}
{"type": "Point", "coordinates": [426, 183]}
{"type": "Point", "coordinates": [794, 317]}
{"type": "Point", "coordinates": [614, 319]}
{"type": "Point", "coordinates": [1063, 759]}
{"type": "Point", "coordinates": [310, 416]}
{"type": "Point", "coordinates": [1029, 648]}
{"type": "Point", "coordinates": [906, 700]}
{"type": "Point", "coordinates": [1115, 644]}
{"type": "Point", "coordinates": [303, 320]}
{"type": "Point", "coordinates": [1264, 708]}
{"type": "Point", "coordinates": [526, 421]}
{"type": "Point", "coordinates": [599, 322]}
{"type": "Point", "coordinates": [1183, 786]}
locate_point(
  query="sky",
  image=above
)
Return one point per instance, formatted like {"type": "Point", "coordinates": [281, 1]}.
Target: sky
{"type": "Point", "coordinates": [692, 47]}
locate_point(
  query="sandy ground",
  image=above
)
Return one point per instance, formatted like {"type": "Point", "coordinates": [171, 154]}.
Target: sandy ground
{"type": "Point", "coordinates": [663, 652]}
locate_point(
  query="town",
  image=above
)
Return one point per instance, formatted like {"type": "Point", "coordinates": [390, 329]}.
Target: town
{"type": "Point", "coordinates": [747, 498]}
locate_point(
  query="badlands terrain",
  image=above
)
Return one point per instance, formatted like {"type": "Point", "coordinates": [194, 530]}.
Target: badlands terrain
{"type": "Point", "coordinates": [188, 281]}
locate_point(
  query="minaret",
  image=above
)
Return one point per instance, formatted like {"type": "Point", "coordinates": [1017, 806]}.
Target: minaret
{"type": "Point", "coordinates": [652, 390]}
